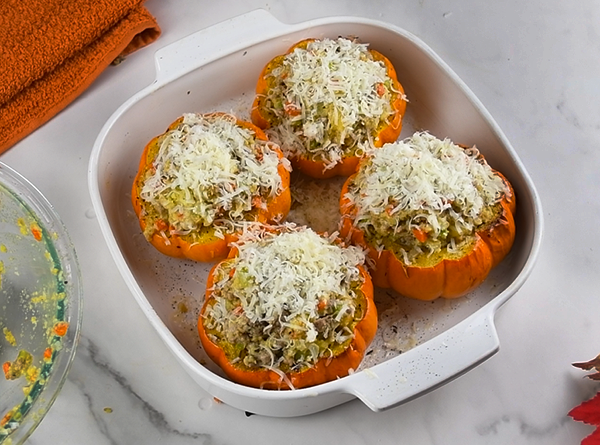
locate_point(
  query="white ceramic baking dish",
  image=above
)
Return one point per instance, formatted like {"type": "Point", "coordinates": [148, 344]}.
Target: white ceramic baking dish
{"type": "Point", "coordinates": [420, 346]}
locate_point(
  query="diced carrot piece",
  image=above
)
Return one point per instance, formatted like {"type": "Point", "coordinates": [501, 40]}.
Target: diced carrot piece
{"type": "Point", "coordinates": [291, 109]}
{"type": "Point", "coordinates": [60, 328]}
{"type": "Point", "coordinates": [420, 234]}
{"type": "Point", "coordinates": [6, 369]}
{"type": "Point", "coordinates": [36, 232]}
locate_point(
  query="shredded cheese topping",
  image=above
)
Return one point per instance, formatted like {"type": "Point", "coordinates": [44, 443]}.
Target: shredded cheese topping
{"type": "Point", "coordinates": [287, 299]}
{"type": "Point", "coordinates": [328, 100]}
{"type": "Point", "coordinates": [210, 170]}
{"type": "Point", "coordinates": [423, 195]}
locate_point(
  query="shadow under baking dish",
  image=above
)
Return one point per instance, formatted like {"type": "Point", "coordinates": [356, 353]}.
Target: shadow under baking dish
{"type": "Point", "coordinates": [419, 345]}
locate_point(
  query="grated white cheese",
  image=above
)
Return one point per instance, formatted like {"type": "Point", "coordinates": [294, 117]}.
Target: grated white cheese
{"type": "Point", "coordinates": [428, 184]}
{"type": "Point", "coordinates": [209, 168]}
{"type": "Point", "coordinates": [329, 99]}
{"type": "Point", "coordinates": [281, 285]}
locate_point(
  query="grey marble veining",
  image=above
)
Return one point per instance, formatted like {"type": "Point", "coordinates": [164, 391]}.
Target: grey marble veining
{"type": "Point", "coordinates": [535, 66]}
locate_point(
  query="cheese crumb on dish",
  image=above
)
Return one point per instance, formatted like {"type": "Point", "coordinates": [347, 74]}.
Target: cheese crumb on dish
{"type": "Point", "coordinates": [328, 100]}
{"type": "Point", "coordinates": [422, 196]}
{"type": "Point", "coordinates": [209, 171]}
{"type": "Point", "coordinates": [287, 300]}
{"type": "Point", "coordinates": [316, 202]}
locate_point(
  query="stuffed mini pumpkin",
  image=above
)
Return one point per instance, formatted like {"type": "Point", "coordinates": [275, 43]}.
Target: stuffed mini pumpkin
{"type": "Point", "coordinates": [434, 217]}
{"type": "Point", "coordinates": [202, 179]}
{"type": "Point", "coordinates": [288, 309]}
{"type": "Point", "coordinates": [326, 101]}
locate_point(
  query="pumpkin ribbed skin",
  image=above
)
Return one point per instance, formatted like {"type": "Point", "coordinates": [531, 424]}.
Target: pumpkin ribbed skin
{"type": "Point", "coordinates": [348, 164]}
{"type": "Point", "coordinates": [206, 246]}
{"type": "Point", "coordinates": [324, 370]}
{"type": "Point", "coordinates": [451, 277]}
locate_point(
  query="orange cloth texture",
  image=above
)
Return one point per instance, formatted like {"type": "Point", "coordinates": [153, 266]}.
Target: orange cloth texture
{"type": "Point", "coordinates": [52, 50]}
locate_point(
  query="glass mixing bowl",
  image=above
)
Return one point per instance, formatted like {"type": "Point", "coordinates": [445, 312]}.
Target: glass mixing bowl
{"type": "Point", "coordinates": [40, 306]}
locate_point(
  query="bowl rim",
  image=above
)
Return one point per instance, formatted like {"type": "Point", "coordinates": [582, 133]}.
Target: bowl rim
{"type": "Point", "coordinates": [70, 308]}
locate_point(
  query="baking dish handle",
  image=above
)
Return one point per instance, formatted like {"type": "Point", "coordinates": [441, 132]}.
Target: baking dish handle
{"type": "Point", "coordinates": [428, 366]}
{"type": "Point", "coordinates": [213, 42]}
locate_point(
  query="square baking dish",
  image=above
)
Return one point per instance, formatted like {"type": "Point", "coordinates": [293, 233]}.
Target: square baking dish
{"type": "Point", "coordinates": [419, 345]}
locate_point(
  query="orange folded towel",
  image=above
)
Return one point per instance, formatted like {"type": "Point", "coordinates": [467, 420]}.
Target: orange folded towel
{"type": "Point", "coordinates": [52, 50]}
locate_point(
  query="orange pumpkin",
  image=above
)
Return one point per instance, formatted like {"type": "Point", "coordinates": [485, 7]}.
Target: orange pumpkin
{"type": "Point", "coordinates": [205, 244]}
{"type": "Point", "coordinates": [451, 275]}
{"type": "Point", "coordinates": [388, 131]}
{"type": "Point", "coordinates": [325, 369]}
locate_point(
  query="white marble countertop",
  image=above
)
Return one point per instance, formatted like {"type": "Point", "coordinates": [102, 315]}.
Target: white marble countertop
{"type": "Point", "coordinates": [535, 66]}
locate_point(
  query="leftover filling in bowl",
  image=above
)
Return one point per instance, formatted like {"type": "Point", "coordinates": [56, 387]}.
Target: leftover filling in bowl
{"type": "Point", "coordinates": [289, 308]}
{"type": "Point", "coordinates": [204, 176]}
{"type": "Point", "coordinates": [40, 306]}
{"type": "Point", "coordinates": [326, 102]}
